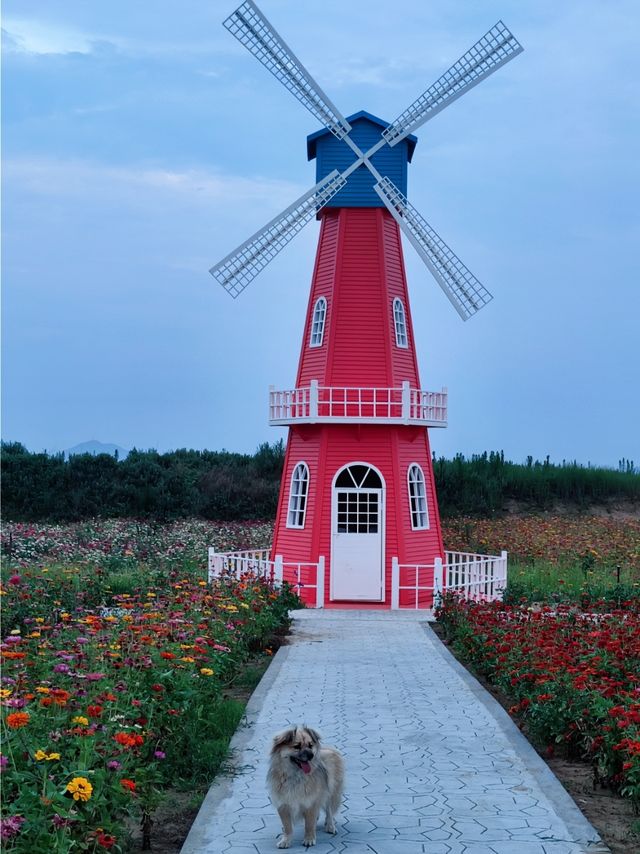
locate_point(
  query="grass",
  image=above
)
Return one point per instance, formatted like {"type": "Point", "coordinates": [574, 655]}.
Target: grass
{"type": "Point", "coordinates": [543, 581]}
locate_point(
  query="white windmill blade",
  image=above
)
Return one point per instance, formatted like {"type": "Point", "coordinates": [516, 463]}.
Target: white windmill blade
{"type": "Point", "coordinates": [463, 290]}
{"type": "Point", "coordinates": [252, 29]}
{"type": "Point", "coordinates": [494, 49]}
{"type": "Point", "coordinates": [243, 264]}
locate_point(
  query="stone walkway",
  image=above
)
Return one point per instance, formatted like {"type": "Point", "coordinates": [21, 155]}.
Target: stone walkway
{"type": "Point", "coordinates": [434, 764]}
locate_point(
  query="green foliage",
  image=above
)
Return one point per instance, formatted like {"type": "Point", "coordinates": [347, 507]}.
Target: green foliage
{"type": "Point", "coordinates": [226, 486]}
{"type": "Point", "coordinates": [480, 486]}
{"type": "Point", "coordinates": [582, 583]}
{"type": "Point", "coordinates": [182, 483]}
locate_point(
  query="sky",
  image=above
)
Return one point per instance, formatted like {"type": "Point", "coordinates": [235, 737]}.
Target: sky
{"type": "Point", "coordinates": [142, 143]}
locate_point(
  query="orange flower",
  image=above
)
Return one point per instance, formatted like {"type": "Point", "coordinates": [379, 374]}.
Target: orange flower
{"type": "Point", "coordinates": [18, 719]}
{"type": "Point", "coordinates": [128, 784]}
{"type": "Point", "coordinates": [128, 739]}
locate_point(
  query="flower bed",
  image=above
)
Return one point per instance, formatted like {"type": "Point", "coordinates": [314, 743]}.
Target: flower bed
{"type": "Point", "coordinates": [108, 699]}
{"type": "Point", "coordinates": [574, 677]}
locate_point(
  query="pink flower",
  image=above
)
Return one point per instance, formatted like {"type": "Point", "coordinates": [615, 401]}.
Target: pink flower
{"type": "Point", "coordinates": [10, 826]}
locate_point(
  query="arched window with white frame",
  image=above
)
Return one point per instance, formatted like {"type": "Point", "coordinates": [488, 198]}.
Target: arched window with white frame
{"type": "Point", "coordinates": [298, 496]}
{"type": "Point", "coordinates": [417, 498]}
{"type": "Point", "coordinates": [400, 323]}
{"type": "Point", "coordinates": [317, 323]}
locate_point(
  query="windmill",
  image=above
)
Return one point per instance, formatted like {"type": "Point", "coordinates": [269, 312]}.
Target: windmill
{"type": "Point", "coordinates": [357, 488]}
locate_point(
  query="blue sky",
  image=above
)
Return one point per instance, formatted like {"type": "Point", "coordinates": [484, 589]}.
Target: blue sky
{"type": "Point", "coordinates": [142, 143]}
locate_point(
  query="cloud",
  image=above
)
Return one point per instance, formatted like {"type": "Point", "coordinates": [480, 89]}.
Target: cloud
{"type": "Point", "coordinates": [74, 177]}
{"type": "Point", "coordinates": [37, 37]}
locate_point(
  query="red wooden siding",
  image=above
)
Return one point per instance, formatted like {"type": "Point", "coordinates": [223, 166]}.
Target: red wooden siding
{"type": "Point", "coordinates": [359, 270]}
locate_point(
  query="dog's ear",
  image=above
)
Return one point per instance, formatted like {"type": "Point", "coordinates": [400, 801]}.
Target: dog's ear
{"type": "Point", "coordinates": [282, 739]}
{"type": "Point", "coordinates": [313, 735]}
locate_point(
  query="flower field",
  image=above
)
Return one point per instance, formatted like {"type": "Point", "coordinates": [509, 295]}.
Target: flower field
{"type": "Point", "coordinates": [574, 677]}
{"type": "Point", "coordinates": [604, 541]}
{"type": "Point", "coordinates": [117, 655]}
{"type": "Point", "coordinates": [118, 543]}
{"type": "Point", "coordinates": [110, 698]}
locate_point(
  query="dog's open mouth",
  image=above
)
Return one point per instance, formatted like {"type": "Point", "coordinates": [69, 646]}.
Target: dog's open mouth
{"type": "Point", "coordinates": [305, 767]}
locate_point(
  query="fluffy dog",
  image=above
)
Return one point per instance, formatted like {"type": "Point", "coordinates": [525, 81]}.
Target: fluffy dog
{"type": "Point", "coordinates": [304, 778]}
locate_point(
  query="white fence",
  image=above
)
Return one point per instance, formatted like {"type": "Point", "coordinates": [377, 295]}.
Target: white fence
{"type": "Point", "coordinates": [317, 404]}
{"type": "Point", "coordinates": [307, 579]}
{"type": "Point", "coordinates": [481, 578]}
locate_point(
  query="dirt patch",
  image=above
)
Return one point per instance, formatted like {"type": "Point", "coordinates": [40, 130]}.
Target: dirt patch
{"type": "Point", "coordinates": [612, 816]}
{"type": "Point", "coordinates": [171, 823]}
{"type": "Point", "coordinates": [620, 510]}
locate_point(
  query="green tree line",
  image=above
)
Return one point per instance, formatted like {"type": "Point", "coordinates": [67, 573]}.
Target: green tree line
{"type": "Point", "coordinates": [225, 486]}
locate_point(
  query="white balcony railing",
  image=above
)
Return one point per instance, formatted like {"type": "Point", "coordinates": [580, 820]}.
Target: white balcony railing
{"type": "Point", "coordinates": [316, 404]}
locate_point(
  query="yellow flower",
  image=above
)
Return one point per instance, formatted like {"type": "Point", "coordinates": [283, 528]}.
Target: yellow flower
{"type": "Point", "coordinates": [41, 689]}
{"type": "Point", "coordinates": [39, 619]}
{"type": "Point", "coordinates": [202, 583]}
{"type": "Point", "coordinates": [80, 788]}
{"type": "Point", "coordinates": [243, 605]}
{"type": "Point", "coordinates": [34, 635]}
{"type": "Point", "coordinates": [40, 755]}
{"type": "Point", "coordinates": [5, 692]}
{"type": "Point", "coordinates": [206, 671]}
{"type": "Point", "coordinates": [188, 659]}
{"type": "Point", "coordinates": [80, 719]}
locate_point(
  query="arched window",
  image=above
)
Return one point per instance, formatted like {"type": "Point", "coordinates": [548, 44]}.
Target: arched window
{"type": "Point", "coordinates": [298, 496]}
{"type": "Point", "coordinates": [417, 498]}
{"type": "Point", "coordinates": [317, 324]}
{"type": "Point", "coordinates": [400, 322]}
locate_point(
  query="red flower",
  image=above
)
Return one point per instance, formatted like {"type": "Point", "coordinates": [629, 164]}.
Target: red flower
{"type": "Point", "coordinates": [128, 739]}
{"type": "Point", "coordinates": [105, 840]}
{"type": "Point", "coordinates": [94, 711]}
{"type": "Point", "coordinates": [128, 784]}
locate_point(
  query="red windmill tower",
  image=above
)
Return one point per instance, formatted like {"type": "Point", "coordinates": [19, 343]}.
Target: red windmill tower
{"type": "Point", "coordinates": [357, 494]}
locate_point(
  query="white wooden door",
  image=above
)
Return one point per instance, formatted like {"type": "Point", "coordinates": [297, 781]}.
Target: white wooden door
{"type": "Point", "coordinates": [357, 543]}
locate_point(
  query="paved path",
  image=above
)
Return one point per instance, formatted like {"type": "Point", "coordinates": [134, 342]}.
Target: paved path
{"type": "Point", "coordinates": [434, 764]}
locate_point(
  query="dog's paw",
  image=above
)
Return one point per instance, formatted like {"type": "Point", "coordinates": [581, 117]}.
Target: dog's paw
{"type": "Point", "coordinates": [308, 841]}
{"type": "Point", "coordinates": [283, 842]}
{"type": "Point", "coordinates": [329, 827]}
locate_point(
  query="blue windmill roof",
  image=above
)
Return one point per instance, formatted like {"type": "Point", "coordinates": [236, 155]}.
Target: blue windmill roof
{"type": "Point", "coordinates": [313, 138]}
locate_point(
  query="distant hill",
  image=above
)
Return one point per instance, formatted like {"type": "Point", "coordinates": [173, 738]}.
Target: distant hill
{"type": "Point", "coordinates": [94, 447]}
